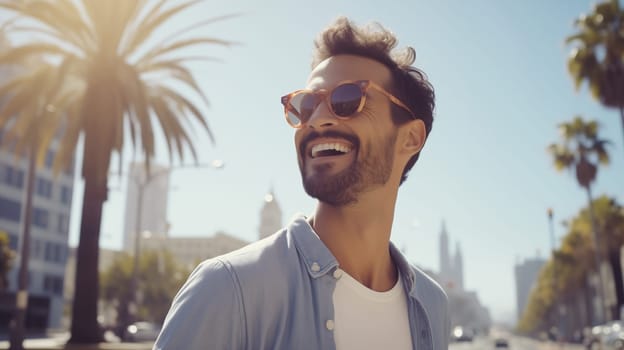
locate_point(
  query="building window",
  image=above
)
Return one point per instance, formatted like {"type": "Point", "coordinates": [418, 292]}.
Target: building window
{"type": "Point", "coordinates": [58, 253]}
{"type": "Point", "coordinates": [44, 187]}
{"type": "Point", "coordinates": [41, 218]}
{"type": "Point", "coordinates": [49, 159]}
{"type": "Point", "coordinates": [70, 168]}
{"type": "Point", "coordinates": [53, 284]}
{"type": "Point", "coordinates": [62, 224]}
{"type": "Point", "coordinates": [10, 209]}
{"type": "Point", "coordinates": [13, 177]}
{"type": "Point", "coordinates": [66, 195]}
{"type": "Point", "coordinates": [54, 253]}
{"type": "Point", "coordinates": [48, 252]}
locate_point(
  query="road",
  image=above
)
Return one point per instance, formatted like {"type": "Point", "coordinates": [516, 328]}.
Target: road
{"type": "Point", "coordinates": [515, 343]}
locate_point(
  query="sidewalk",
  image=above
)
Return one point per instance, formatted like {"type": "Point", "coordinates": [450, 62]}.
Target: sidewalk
{"type": "Point", "coordinates": [58, 341]}
{"type": "Point", "coordinates": [38, 345]}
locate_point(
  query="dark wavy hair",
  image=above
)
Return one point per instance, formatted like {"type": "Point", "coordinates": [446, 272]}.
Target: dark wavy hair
{"type": "Point", "coordinates": [408, 83]}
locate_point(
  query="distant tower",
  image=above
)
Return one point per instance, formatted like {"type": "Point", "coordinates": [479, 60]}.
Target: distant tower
{"type": "Point", "coordinates": [451, 272]}
{"type": "Point", "coordinates": [526, 273]}
{"type": "Point", "coordinates": [153, 216]}
{"type": "Point", "coordinates": [445, 268]}
{"type": "Point", "coordinates": [459, 268]}
{"type": "Point", "coordinates": [270, 216]}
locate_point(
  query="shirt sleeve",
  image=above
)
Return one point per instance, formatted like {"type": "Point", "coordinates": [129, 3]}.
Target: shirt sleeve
{"type": "Point", "coordinates": [207, 312]}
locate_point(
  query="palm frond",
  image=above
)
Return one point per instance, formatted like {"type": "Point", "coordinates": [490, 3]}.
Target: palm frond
{"type": "Point", "coordinates": [61, 17]}
{"type": "Point", "coordinates": [72, 129]}
{"type": "Point", "coordinates": [162, 50]}
{"type": "Point", "coordinates": [19, 54]}
{"type": "Point", "coordinates": [184, 106]}
{"type": "Point", "coordinates": [180, 73]}
{"type": "Point", "coordinates": [154, 19]}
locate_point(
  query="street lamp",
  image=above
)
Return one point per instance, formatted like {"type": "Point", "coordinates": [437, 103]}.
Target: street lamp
{"type": "Point", "coordinates": [559, 310]}
{"type": "Point", "coordinates": [142, 183]}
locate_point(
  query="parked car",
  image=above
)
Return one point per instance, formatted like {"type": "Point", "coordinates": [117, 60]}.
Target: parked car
{"type": "Point", "coordinates": [462, 334]}
{"type": "Point", "coordinates": [501, 343]}
{"type": "Point", "coordinates": [142, 331]}
{"type": "Point", "coordinates": [608, 336]}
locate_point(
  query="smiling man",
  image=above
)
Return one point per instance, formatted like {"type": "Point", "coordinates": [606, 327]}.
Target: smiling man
{"type": "Point", "coordinates": [332, 280]}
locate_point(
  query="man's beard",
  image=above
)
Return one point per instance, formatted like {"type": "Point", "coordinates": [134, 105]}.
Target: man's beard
{"type": "Point", "coordinates": [368, 171]}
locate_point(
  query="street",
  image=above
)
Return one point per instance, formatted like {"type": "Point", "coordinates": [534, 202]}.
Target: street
{"type": "Point", "coordinates": [515, 343]}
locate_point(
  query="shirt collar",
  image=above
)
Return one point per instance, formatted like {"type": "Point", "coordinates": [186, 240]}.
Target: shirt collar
{"type": "Point", "coordinates": [317, 258]}
{"type": "Point", "coordinates": [405, 270]}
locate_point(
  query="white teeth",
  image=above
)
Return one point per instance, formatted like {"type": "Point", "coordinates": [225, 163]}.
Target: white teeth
{"type": "Point", "coordinates": [329, 146]}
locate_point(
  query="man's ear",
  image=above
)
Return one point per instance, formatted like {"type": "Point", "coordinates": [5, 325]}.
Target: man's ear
{"type": "Point", "coordinates": [414, 136]}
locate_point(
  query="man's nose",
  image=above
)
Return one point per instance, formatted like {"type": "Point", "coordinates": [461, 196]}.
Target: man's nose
{"type": "Point", "coordinates": [322, 117]}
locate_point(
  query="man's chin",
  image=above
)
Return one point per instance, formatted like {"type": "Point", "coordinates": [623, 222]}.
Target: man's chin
{"type": "Point", "coordinates": [330, 192]}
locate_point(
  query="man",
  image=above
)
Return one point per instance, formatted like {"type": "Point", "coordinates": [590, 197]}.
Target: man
{"type": "Point", "coordinates": [333, 280]}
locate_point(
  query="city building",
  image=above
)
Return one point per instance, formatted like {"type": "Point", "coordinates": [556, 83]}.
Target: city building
{"type": "Point", "coordinates": [270, 216]}
{"type": "Point", "coordinates": [465, 307]}
{"type": "Point", "coordinates": [526, 274]}
{"type": "Point", "coordinates": [153, 188]}
{"type": "Point", "coordinates": [190, 251]}
{"type": "Point", "coordinates": [51, 208]}
{"type": "Point", "coordinates": [451, 274]}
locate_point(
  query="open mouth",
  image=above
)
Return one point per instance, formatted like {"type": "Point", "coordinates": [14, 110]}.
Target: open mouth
{"type": "Point", "coordinates": [329, 150]}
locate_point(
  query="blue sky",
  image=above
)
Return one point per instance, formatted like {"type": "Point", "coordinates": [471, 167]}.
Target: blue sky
{"type": "Point", "coordinates": [499, 71]}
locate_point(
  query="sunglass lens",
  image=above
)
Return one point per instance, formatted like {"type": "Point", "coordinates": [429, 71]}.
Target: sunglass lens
{"type": "Point", "coordinates": [303, 105]}
{"type": "Point", "coordinates": [345, 99]}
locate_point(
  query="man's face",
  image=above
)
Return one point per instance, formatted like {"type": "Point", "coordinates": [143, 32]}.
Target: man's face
{"type": "Point", "coordinates": [340, 159]}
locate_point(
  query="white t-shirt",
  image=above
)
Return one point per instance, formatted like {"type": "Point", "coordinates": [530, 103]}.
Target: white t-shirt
{"type": "Point", "coordinates": [366, 319]}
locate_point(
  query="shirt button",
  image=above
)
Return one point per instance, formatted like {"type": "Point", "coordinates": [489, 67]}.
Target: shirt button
{"type": "Point", "coordinates": [315, 267]}
{"type": "Point", "coordinates": [329, 325]}
{"type": "Point", "coordinates": [337, 273]}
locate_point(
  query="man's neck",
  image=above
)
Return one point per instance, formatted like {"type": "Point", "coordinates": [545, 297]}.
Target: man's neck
{"type": "Point", "coordinates": [358, 236]}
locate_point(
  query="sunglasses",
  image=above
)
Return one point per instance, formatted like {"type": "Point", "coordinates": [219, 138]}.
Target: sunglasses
{"type": "Point", "coordinates": [345, 100]}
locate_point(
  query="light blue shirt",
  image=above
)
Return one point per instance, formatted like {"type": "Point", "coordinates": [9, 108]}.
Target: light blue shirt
{"type": "Point", "coordinates": [277, 294]}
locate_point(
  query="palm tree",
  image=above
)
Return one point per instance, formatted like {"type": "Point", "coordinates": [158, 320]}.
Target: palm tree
{"type": "Point", "coordinates": [582, 150]}
{"type": "Point", "coordinates": [609, 219]}
{"type": "Point", "coordinates": [598, 56]}
{"type": "Point", "coordinates": [7, 256]}
{"type": "Point", "coordinates": [111, 80]}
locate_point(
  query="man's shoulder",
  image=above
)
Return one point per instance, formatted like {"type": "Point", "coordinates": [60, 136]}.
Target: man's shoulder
{"type": "Point", "coordinates": [263, 251]}
{"type": "Point", "coordinates": [253, 262]}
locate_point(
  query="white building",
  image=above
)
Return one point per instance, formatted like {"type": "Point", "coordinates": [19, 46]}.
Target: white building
{"type": "Point", "coordinates": [51, 210]}
{"type": "Point", "coordinates": [154, 188]}
{"type": "Point", "coordinates": [189, 251]}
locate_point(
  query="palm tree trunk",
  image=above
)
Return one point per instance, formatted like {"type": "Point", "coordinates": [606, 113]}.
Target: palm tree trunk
{"type": "Point", "coordinates": [589, 311]}
{"type": "Point", "coordinates": [85, 328]}
{"type": "Point", "coordinates": [597, 259]}
{"type": "Point", "coordinates": [616, 266]}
